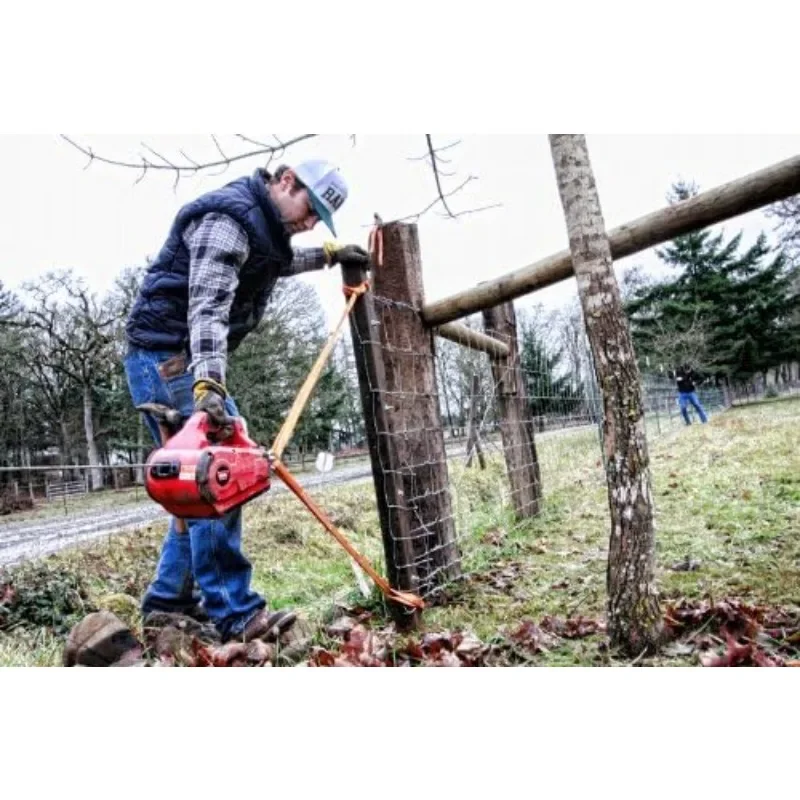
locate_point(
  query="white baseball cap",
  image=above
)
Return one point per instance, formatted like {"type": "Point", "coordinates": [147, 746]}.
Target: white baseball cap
{"type": "Point", "coordinates": [327, 189]}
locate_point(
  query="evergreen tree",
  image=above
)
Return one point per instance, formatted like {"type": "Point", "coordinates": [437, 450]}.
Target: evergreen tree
{"type": "Point", "coordinates": [548, 383]}
{"type": "Point", "coordinates": [728, 312]}
{"type": "Point", "coordinates": [268, 369]}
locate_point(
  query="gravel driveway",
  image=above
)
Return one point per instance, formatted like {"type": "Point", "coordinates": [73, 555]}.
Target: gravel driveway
{"type": "Point", "coordinates": [21, 541]}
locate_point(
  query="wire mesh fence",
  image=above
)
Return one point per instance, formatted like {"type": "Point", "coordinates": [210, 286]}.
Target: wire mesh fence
{"type": "Point", "coordinates": [472, 446]}
{"type": "Point", "coordinates": [63, 488]}
{"type": "Point", "coordinates": [455, 443]}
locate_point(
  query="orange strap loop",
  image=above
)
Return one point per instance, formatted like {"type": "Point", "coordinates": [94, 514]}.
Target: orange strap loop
{"type": "Point", "coordinates": [349, 291]}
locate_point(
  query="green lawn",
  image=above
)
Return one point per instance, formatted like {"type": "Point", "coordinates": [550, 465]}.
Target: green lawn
{"type": "Point", "coordinates": [727, 502]}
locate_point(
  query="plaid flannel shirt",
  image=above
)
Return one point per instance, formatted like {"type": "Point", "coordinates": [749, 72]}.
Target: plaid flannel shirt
{"type": "Point", "coordinates": [218, 247]}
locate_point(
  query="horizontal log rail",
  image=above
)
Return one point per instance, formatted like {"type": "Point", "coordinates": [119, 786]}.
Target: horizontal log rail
{"type": "Point", "coordinates": [475, 340]}
{"type": "Point", "coordinates": [733, 199]}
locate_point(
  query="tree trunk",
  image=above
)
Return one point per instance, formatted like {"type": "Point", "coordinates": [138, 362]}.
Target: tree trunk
{"type": "Point", "coordinates": [473, 436]}
{"type": "Point", "coordinates": [140, 450]}
{"type": "Point", "coordinates": [91, 444]}
{"type": "Point", "coordinates": [634, 616]}
{"type": "Point", "coordinates": [442, 380]}
{"type": "Point", "coordinates": [66, 447]}
{"type": "Point", "coordinates": [26, 461]}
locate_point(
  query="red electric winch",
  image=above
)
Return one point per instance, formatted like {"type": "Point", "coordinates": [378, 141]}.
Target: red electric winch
{"type": "Point", "coordinates": [193, 478]}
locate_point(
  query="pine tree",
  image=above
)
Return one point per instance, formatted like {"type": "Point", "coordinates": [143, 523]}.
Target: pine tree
{"type": "Point", "coordinates": [728, 312]}
{"type": "Point", "coordinates": [267, 370]}
{"type": "Point", "coordinates": [548, 385]}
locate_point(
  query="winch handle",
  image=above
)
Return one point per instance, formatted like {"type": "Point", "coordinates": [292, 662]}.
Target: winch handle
{"type": "Point", "coordinates": [198, 432]}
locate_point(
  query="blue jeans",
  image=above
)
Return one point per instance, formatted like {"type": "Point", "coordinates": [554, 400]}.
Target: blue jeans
{"type": "Point", "coordinates": [210, 554]}
{"type": "Point", "coordinates": [685, 399]}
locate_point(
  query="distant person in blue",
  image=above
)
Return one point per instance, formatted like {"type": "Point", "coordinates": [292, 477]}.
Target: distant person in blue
{"type": "Point", "coordinates": [687, 380]}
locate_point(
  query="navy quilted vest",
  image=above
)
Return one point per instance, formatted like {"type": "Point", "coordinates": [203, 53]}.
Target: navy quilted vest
{"type": "Point", "coordinates": [159, 318]}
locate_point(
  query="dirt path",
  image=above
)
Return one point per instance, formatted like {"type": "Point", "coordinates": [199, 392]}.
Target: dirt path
{"type": "Point", "coordinates": [22, 541]}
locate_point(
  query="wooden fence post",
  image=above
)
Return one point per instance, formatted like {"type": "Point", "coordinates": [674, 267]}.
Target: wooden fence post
{"type": "Point", "coordinates": [516, 417]}
{"type": "Point", "coordinates": [400, 570]}
{"type": "Point", "coordinates": [396, 366]}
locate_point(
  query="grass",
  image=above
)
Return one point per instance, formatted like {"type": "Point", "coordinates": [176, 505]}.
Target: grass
{"type": "Point", "coordinates": [727, 498]}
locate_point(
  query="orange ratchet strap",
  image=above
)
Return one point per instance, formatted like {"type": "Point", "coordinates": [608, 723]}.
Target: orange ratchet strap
{"type": "Point", "coordinates": [349, 291]}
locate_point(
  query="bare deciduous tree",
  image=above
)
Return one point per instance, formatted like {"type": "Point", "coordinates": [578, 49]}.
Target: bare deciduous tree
{"type": "Point", "coordinates": [77, 338]}
{"type": "Point", "coordinates": [9, 305]}
{"type": "Point", "coordinates": [670, 346]}
{"type": "Point", "coordinates": [787, 212]}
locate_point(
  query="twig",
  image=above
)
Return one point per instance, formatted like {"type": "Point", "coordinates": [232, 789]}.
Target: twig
{"type": "Point", "coordinates": [221, 152]}
{"type": "Point", "coordinates": [476, 210]}
{"type": "Point", "coordinates": [438, 150]}
{"type": "Point", "coordinates": [252, 141]}
{"type": "Point", "coordinates": [158, 155]}
{"type": "Point", "coordinates": [700, 629]}
{"type": "Point", "coordinates": [435, 168]}
{"type": "Point", "coordinates": [191, 166]}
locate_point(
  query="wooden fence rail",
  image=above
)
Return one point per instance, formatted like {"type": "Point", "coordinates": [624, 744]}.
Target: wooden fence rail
{"type": "Point", "coordinates": [733, 199]}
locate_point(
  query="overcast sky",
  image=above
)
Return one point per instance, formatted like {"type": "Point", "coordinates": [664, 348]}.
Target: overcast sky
{"type": "Point", "coordinates": [56, 214]}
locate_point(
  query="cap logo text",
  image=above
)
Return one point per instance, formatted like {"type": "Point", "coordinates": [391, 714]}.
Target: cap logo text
{"type": "Point", "coordinates": [331, 196]}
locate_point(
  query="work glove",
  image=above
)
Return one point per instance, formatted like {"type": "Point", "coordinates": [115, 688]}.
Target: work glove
{"type": "Point", "coordinates": [209, 396]}
{"type": "Point", "coordinates": [349, 255]}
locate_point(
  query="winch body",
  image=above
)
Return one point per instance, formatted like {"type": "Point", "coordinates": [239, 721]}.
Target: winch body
{"type": "Point", "coordinates": [193, 477]}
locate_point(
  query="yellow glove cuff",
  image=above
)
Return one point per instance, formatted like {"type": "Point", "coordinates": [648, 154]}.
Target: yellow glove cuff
{"type": "Point", "coordinates": [205, 385]}
{"type": "Point", "coordinates": [330, 249]}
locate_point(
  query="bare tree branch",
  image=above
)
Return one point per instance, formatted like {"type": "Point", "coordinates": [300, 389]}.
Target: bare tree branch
{"type": "Point", "coordinates": [219, 148]}
{"type": "Point", "coordinates": [435, 168]}
{"type": "Point", "coordinates": [434, 159]}
{"type": "Point", "coordinates": [190, 166]}
{"type": "Point", "coordinates": [438, 150]}
{"type": "Point", "coordinates": [450, 214]}
{"type": "Point", "coordinates": [253, 141]}
{"type": "Point", "coordinates": [158, 155]}
{"type": "Point", "coordinates": [474, 210]}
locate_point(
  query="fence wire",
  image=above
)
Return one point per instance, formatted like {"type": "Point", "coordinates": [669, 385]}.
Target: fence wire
{"type": "Point", "coordinates": [478, 446]}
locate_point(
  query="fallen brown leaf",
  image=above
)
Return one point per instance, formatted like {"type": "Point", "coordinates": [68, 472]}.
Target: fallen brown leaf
{"type": "Point", "coordinates": [202, 655]}
{"type": "Point", "coordinates": [733, 656]}
{"type": "Point", "coordinates": [322, 658]}
{"type": "Point", "coordinates": [530, 636]}
{"type": "Point", "coordinates": [259, 652]}
{"type": "Point", "coordinates": [7, 594]}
